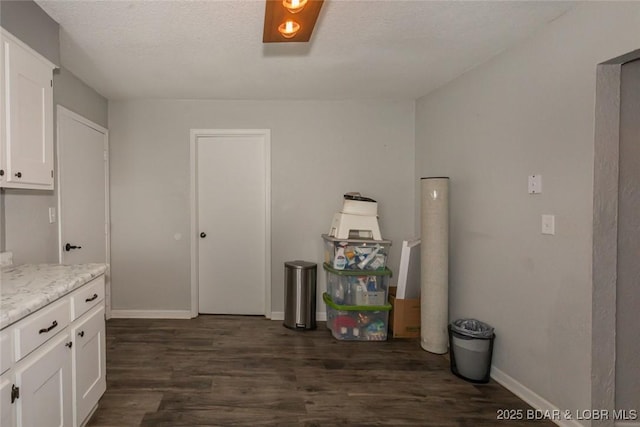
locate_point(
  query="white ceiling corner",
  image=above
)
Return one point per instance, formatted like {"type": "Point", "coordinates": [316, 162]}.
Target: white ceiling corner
{"type": "Point", "coordinates": [213, 49]}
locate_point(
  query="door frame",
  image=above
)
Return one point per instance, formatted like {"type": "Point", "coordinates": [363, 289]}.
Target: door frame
{"type": "Point", "coordinates": [605, 233]}
{"type": "Point", "coordinates": [62, 111]}
{"type": "Point", "coordinates": [193, 166]}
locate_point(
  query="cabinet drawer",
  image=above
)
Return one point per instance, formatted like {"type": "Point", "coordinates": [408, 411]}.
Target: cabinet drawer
{"type": "Point", "coordinates": [6, 350]}
{"type": "Point", "coordinates": [86, 297]}
{"type": "Point", "coordinates": [36, 329]}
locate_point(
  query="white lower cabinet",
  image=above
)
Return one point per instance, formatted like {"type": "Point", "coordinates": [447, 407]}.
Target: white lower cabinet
{"type": "Point", "coordinates": [44, 383]}
{"type": "Point", "coordinates": [89, 364]}
{"type": "Point", "coordinates": [57, 381]}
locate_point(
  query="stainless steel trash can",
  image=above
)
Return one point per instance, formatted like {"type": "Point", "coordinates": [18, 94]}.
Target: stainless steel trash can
{"type": "Point", "coordinates": [300, 294]}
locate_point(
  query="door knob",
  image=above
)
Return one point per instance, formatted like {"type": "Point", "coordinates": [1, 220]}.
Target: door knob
{"type": "Point", "coordinates": [69, 246]}
{"type": "Point", "coordinates": [203, 235]}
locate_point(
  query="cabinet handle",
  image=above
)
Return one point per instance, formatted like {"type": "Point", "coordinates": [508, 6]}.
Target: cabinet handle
{"type": "Point", "coordinates": [45, 330]}
{"type": "Point", "coordinates": [81, 333]}
{"type": "Point", "coordinates": [19, 174]}
{"type": "Point", "coordinates": [92, 298]}
{"type": "Point", "coordinates": [1, 172]}
{"type": "Point", "coordinates": [69, 344]}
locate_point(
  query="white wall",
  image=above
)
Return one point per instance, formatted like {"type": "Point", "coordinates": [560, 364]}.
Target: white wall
{"type": "Point", "coordinates": [319, 151]}
{"type": "Point", "coordinates": [528, 111]}
{"type": "Point", "coordinates": [28, 233]}
{"type": "Point", "coordinates": [72, 93]}
{"type": "Point", "coordinates": [27, 21]}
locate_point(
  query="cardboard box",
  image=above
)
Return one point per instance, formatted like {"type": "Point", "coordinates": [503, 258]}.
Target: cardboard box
{"type": "Point", "coordinates": [404, 320]}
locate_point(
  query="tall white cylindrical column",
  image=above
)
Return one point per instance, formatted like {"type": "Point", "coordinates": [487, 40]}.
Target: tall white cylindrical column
{"type": "Point", "coordinates": [434, 264]}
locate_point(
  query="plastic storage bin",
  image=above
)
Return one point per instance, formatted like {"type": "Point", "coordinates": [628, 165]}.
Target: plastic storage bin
{"type": "Point", "coordinates": [356, 254]}
{"type": "Point", "coordinates": [356, 322]}
{"type": "Point", "coordinates": [357, 287]}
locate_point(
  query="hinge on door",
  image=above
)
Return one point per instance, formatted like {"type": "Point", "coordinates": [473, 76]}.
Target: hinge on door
{"type": "Point", "coordinates": [106, 156]}
{"type": "Point", "coordinates": [51, 83]}
{"type": "Point", "coordinates": [51, 173]}
{"type": "Point", "coordinates": [15, 393]}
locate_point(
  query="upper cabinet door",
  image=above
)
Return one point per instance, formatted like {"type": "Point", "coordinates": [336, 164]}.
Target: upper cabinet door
{"type": "Point", "coordinates": [27, 134]}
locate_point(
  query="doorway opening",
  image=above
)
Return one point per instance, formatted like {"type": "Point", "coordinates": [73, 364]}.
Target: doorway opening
{"type": "Point", "coordinates": [608, 151]}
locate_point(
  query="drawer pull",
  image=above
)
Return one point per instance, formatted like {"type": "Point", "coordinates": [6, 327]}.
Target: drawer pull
{"type": "Point", "coordinates": [69, 344]}
{"type": "Point", "coordinates": [92, 298]}
{"type": "Point", "coordinates": [45, 330]}
{"type": "Point", "coordinates": [81, 334]}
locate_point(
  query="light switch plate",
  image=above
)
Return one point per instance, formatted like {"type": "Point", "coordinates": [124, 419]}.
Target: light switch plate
{"type": "Point", "coordinates": [548, 224]}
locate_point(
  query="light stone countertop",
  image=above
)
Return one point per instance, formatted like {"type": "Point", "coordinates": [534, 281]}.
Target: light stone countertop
{"type": "Point", "coordinates": [28, 287]}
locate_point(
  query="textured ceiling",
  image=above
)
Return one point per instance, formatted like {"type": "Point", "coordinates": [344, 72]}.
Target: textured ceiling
{"type": "Point", "coordinates": [213, 49]}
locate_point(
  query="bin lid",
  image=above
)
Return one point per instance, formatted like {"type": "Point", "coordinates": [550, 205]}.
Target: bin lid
{"type": "Point", "coordinates": [358, 273]}
{"type": "Point", "coordinates": [301, 265]}
{"type": "Point", "coordinates": [363, 242]}
{"type": "Point", "coordinates": [472, 328]}
{"type": "Point", "coordinates": [327, 300]}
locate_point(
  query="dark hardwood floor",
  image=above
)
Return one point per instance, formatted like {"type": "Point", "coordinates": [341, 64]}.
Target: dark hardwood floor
{"type": "Point", "coordinates": [248, 371]}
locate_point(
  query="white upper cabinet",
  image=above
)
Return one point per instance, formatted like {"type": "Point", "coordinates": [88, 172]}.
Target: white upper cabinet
{"type": "Point", "coordinates": [26, 152]}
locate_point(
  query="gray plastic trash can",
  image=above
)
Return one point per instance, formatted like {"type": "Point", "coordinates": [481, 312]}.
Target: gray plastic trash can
{"type": "Point", "coordinates": [471, 349]}
{"type": "Point", "coordinates": [300, 294]}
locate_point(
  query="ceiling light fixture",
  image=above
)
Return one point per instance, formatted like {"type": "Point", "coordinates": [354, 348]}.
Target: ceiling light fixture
{"type": "Point", "coordinates": [294, 6]}
{"type": "Point", "coordinates": [289, 28]}
{"type": "Point", "coordinates": [280, 26]}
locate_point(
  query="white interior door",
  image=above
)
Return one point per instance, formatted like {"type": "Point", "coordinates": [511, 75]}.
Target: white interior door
{"type": "Point", "coordinates": [232, 222]}
{"type": "Point", "coordinates": [82, 190]}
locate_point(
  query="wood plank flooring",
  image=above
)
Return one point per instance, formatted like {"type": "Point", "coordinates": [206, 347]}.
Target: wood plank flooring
{"type": "Point", "coordinates": [249, 371]}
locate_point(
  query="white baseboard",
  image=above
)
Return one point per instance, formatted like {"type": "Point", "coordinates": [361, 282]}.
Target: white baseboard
{"type": "Point", "coordinates": [529, 396]}
{"type": "Point", "coordinates": [185, 314]}
{"type": "Point", "coordinates": [150, 314]}
{"type": "Point", "coordinates": [321, 316]}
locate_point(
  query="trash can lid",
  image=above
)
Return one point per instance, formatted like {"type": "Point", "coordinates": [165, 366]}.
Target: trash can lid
{"type": "Point", "coordinates": [302, 265]}
{"type": "Point", "coordinates": [472, 328]}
